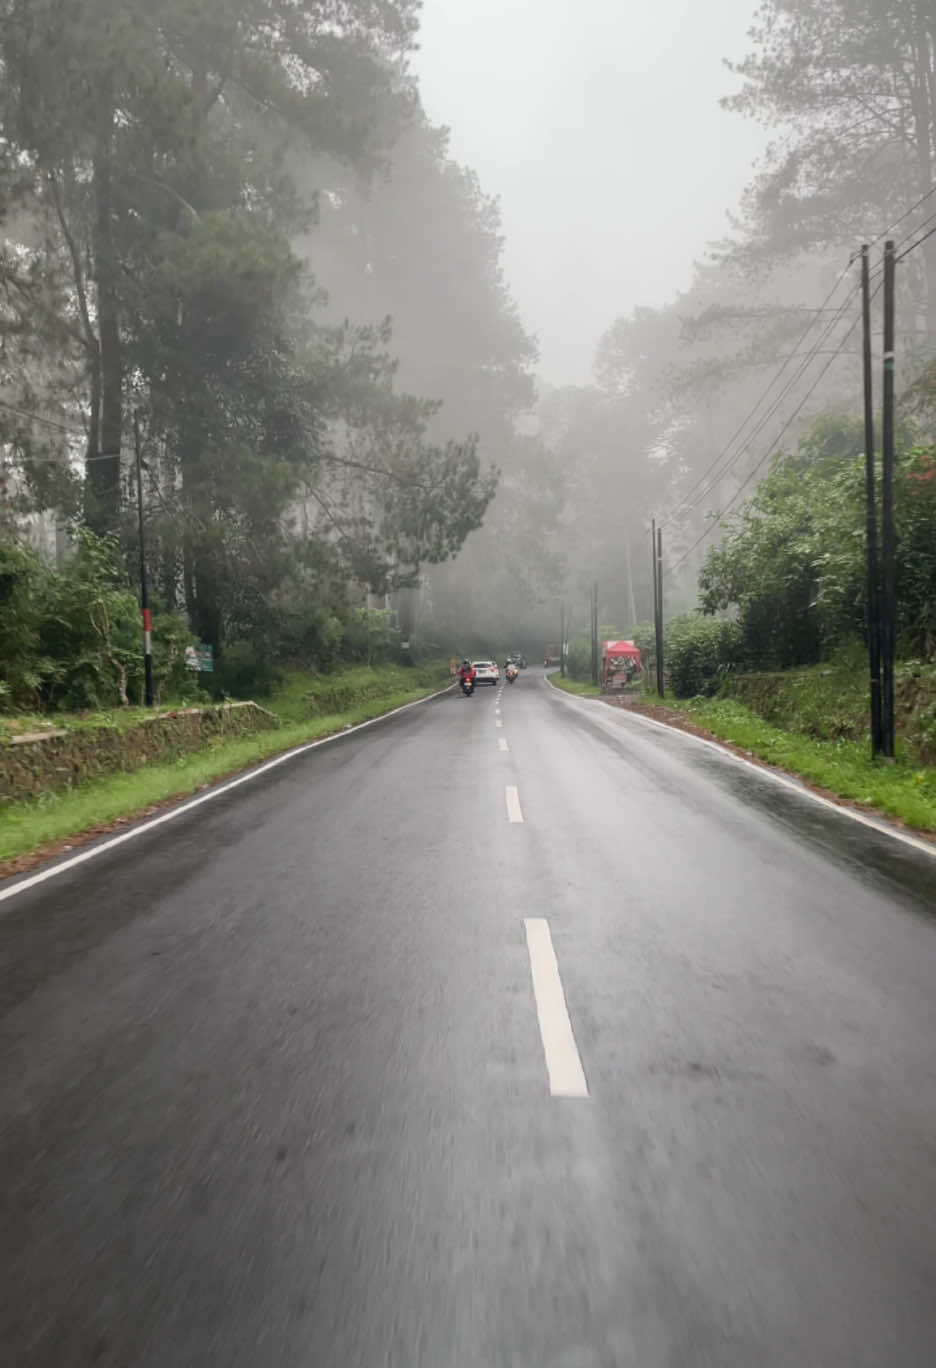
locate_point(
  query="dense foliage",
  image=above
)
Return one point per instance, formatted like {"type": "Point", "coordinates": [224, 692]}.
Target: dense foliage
{"type": "Point", "coordinates": [692, 399]}
{"type": "Point", "coordinates": [792, 563]}
{"type": "Point", "coordinates": [199, 266]}
{"type": "Point", "coordinates": [71, 638]}
{"type": "Point", "coordinates": [235, 246]}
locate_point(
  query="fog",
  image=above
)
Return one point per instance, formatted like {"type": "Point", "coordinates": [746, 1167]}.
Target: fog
{"type": "Point", "coordinates": [443, 302]}
{"type": "Point", "coordinates": [599, 128]}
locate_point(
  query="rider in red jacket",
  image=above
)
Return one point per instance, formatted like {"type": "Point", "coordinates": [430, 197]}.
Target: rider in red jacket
{"type": "Point", "coordinates": [466, 672]}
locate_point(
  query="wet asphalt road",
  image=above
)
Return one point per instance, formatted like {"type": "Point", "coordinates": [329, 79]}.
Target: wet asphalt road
{"type": "Point", "coordinates": [274, 1089]}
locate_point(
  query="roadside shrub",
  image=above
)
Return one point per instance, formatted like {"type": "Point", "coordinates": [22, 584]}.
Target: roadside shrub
{"type": "Point", "coordinates": [370, 637]}
{"type": "Point", "coordinates": [699, 652]}
{"type": "Point", "coordinates": [20, 605]}
{"type": "Point", "coordinates": [578, 661]}
{"type": "Point", "coordinates": [245, 670]}
{"type": "Point", "coordinates": [72, 638]}
{"type": "Point", "coordinates": [644, 638]}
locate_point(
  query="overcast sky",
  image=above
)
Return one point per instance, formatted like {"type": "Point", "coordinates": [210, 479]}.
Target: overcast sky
{"type": "Point", "coordinates": [597, 124]}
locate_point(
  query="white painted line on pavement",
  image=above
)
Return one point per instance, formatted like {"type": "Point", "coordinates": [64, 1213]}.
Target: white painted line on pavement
{"type": "Point", "coordinates": [497, 710]}
{"type": "Point", "coordinates": [765, 772]}
{"type": "Point", "coordinates": [92, 851]}
{"type": "Point", "coordinates": [498, 723]}
{"type": "Point", "coordinates": [563, 1063]}
{"type": "Point", "coordinates": [502, 742]}
{"type": "Point", "coordinates": [514, 812]}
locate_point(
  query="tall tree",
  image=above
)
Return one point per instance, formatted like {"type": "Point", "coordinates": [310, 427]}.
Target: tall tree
{"type": "Point", "coordinates": [114, 103]}
{"type": "Point", "coordinates": [851, 87]}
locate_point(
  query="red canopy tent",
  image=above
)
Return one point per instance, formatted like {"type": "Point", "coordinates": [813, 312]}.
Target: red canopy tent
{"type": "Point", "coordinates": [619, 657]}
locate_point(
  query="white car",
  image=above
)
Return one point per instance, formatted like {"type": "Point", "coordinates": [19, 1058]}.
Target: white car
{"type": "Point", "coordinates": [486, 671]}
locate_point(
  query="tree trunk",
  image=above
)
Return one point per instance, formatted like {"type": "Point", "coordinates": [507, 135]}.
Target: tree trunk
{"type": "Point", "coordinates": [205, 610]}
{"type": "Point", "coordinates": [93, 448]}
{"type": "Point", "coordinates": [103, 475]}
{"type": "Point", "coordinates": [201, 575]}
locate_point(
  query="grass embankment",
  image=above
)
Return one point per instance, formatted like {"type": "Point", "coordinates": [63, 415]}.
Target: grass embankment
{"type": "Point", "coordinates": [576, 686]}
{"type": "Point", "coordinates": [905, 790]}
{"type": "Point", "coordinates": [813, 724]}
{"type": "Point", "coordinates": [308, 708]}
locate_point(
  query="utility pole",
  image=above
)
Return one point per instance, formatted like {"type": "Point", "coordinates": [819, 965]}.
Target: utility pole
{"type": "Point", "coordinates": [594, 632]}
{"type": "Point", "coordinates": [888, 537]}
{"type": "Point", "coordinates": [562, 632]}
{"type": "Point", "coordinates": [144, 595]}
{"type": "Point", "coordinates": [653, 565]}
{"type": "Point", "coordinates": [871, 539]}
{"type": "Point", "coordinates": [656, 551]}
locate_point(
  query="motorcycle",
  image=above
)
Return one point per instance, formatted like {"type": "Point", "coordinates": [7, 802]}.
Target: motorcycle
{"type": "Point", "coordinates": [512, 672]}
{"type": "Point", "coordinates": [467, 687]}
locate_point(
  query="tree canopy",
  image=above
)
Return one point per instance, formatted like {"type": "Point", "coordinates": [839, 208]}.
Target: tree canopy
{"type": "Point", "coordinates": [206, 206]}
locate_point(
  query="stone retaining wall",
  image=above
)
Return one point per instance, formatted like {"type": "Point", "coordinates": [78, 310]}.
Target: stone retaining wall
{"type": "Point", "coordinates": [34, 764]}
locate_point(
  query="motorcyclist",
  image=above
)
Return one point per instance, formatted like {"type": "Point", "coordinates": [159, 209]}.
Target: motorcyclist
{"type": "Point", "coordinates": [466, 673]}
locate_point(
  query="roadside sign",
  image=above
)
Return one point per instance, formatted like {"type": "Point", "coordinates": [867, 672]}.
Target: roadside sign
{"type": "Point", "coordinates": [199, 658]}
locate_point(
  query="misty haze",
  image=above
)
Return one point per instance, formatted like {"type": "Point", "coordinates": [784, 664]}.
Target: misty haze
{"type": "Point", "coordinates": [467, 683]}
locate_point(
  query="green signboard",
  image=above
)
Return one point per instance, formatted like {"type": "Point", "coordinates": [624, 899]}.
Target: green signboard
{"type": "Point", "coordinates": [199, 658]}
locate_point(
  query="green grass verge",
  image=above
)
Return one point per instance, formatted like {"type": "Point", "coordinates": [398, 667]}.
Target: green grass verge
{"type": "Point", "coordinates": [576, 686]}
{"type": "Point", "coordinates": [903, 790]}
{"type": "Point", "coordinates": [15, 724]}
{"type": "Point", "coordinates": [26, 826]}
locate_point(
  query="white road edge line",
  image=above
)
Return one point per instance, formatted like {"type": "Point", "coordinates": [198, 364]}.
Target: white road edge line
{"type": "Point", "coordinates": [563, 1063]}
{"type": "Point", "coordinates": [514, 812]}
{"type": "Point", "coordinates": [767, 773]}
{"type": "Point", "coordinates": [502, 743]}
{"type": "Point", "coordinates": [179, 811]}
{"type": "Point", "coordinates": [498, 722]}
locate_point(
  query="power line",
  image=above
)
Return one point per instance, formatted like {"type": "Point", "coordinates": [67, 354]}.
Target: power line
{"type": "Point", "coordinates": [55, 460]}
{"type": "Point", "coordinates": [38, 418]}
{"type": "Point", "coordinates": [914, 245]}
{"type": "Point", "coordinates": [59, 427]}
{"type": "Point", "coordinates": [809, 357]}
{"type": "Point", "coordinates": [682, 509]}
{"type": "Point", "coordinates": [897, 222]}
{"type": "Point", "coordinates": [680, 506]}
{"type": "Point", "coordinates": [770, 451]}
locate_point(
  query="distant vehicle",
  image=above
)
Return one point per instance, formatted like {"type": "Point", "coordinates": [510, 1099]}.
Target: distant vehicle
{"type": "Point", "coordinates": [518, 659]}
{"type": "Point", "coordinates": [486, 671]}
{"type": "Point", "coordinates": [551, 656]}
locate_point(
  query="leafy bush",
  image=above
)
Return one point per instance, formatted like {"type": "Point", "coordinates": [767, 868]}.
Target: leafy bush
{"type": "Point", "coordinates": [578, 661]}
{"type": "Point", "coordinates": [644, 638]}
{"type": "Point", "coordinates": [245, 670]}
{"type": "Point", "coordinates": [20, 605]}
{"type": "Point", "coordinates": [73, 638]}
{"type": "Point", "coordinates": [792, 563]}
{"type": "Point", "coordinates": [915, 515]}
{"type": "Point", "coordinates": [699, 652]}
{"type": "Point", "coordinates": [370, 637]}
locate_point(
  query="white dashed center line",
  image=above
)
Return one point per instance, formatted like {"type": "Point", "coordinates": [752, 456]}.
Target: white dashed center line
{"type": "Point", "coordinates": [502, 742]}
{"type": "Point", "coordinates": [498, 722]}
{"type": "Point", "coordinates": [563, 1064]}
{"type": "Point", "coordinates": [513, 804]}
